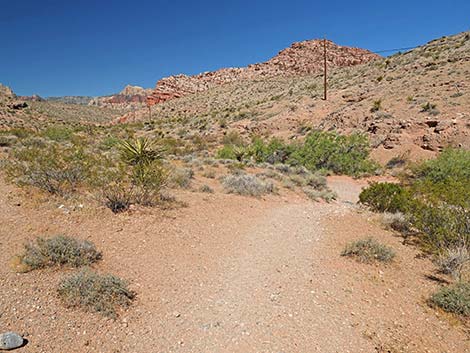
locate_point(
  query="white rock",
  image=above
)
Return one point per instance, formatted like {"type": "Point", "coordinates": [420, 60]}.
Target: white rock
{"type": "Point", "coordinates": [10, 340]}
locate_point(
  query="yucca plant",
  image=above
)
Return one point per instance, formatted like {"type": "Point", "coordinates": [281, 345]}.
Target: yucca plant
{"type": "Point", "coordinates": [139, 151]}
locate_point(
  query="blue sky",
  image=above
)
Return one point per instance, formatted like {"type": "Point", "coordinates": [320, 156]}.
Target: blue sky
{"type": "Point", "coordinates": [53, 47]}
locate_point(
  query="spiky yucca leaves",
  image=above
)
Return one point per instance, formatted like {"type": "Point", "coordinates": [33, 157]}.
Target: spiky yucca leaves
{"type": "Point", "coordinates": [139, 151]}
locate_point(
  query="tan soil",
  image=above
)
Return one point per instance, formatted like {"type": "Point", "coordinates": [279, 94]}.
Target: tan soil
{"type": "Point", "coordinates": [227, 274]}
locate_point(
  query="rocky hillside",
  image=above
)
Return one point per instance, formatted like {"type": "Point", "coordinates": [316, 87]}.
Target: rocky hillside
{"type": "Point", "coordinates": [299, 59]}
{"type": "Point", "coordinates": [413, 104]}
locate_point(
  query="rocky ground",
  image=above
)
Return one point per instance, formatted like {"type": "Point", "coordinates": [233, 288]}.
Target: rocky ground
{"type": "Point", "coordinates": [227, 274]}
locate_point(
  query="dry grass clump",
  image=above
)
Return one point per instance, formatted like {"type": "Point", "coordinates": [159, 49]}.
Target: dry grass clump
{"type": "Point", "coordinates": [59, 250]}
{"type": "Point", "coordinates": [369, 250]}
{"type": "Point", "coordinates": [396, 221]}
{"type": "Point", "coordinates": [95, 292]}
{"type": "Point", "coordinates": [245, 184]}
{"type": "Point", "coordinates": [323, 194]}
{"type": "Point", "coordinates": [206, 188]}
{"type": "Point", "coordinates": [452, 261]}
{"type": "Point", "coordinates": [181, 177]}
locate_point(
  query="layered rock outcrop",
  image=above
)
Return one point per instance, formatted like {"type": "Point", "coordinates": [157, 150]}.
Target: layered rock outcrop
{"type": "Point", "coordinates": [300, 58]}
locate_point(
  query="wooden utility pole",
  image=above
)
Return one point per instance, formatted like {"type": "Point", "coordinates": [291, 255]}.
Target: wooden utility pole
{"type": "Point", "coordinates": [150, 112]}
{"type": "Point", "coordinates": [324, 68]}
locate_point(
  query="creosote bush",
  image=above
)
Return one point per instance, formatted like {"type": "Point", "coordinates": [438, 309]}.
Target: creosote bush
{"type": "Point", "coordinates": [369, 250]}
{"type": "Point", "coordinates": [384, 197]}
{"type": "Point", "coordinates": [53, 168]}
{"type": "Point", "coordinates": [454, 299]}
{"type": "Point", "coordinates": [95, 292]}
{"type": "Point", "coordinates": [326, 151]}
{"type": "Point", "coordinates": [245, 184]}
{"type": "Point", "coordinates": [59, 250]}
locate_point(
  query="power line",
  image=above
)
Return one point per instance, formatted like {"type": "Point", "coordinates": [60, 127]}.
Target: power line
{"type": "Point", "coordinates": [396, 49]}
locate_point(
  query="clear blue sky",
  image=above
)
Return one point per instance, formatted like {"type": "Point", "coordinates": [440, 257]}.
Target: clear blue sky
{"type": "Point", "coordinates": [60, 47]}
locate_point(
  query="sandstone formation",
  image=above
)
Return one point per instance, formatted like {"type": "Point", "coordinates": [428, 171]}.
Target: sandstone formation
{"type": "Point", "coordinates": [300, 58]}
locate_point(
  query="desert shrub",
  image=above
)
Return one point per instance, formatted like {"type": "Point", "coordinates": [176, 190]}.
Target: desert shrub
{"type": "Point", "coordinates": [53, 168]}
{"type": "Point", "coordinates": [274, 151]}
{"type": "Point", "coordinates": [397, 161]}
{"type": "Point", "coordinates": [58, 133]}
{"type": "Point", "coordinates": [316, 181]}
{"type": "Point", "coordinates": [118, 197]}
{"type": "Point", "coordinates": [139, 151]}
{"type": "Point", "coordinates": [210, 174]}
{"type": "Point", "coordinates": [446, 178]}
{"type": "Point", "coordinates": [59, 250]}
{"type": "Point", "coordinates": [233, 138]}
{"type": "Point", "coordinates": [95, 292]}
{"type": "Point", "coordinates": [454, 299]}
{"type": "Point", "coordinates": [206, 189]}
{"type": "Point", "coordinates": [369, 250]}
{"type": "Point", "coordinates": [245, 184]}
{"type": "Point", "coordinates": [7, 140]}
{"type": "Point", "coordinates": [340, 154]}
{"type": "Point", "coordinates": [181, 177]}
{"type": "Point", "coordinates": [396, 221]}
{"type": "Point", "coordinates": [150, 176]}
{"type": "Point", "coordinates": [429, 108]}
{"type": "Point", "coordinates": [385, 197]}
{"type": "Point", "coordinates": [321, 151]}
{"type": "Point", "coordinates": [441, 226]}
{"type": "Point", "coordinates": [317, 194]}
{"type": "Point", "coordinates": [452, 261]}
{"type": "Point", "coordinates": [376, 106]}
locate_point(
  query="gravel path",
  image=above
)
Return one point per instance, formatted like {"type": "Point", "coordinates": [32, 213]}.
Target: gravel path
{"type": "Point", "coordinates": [227, 274]}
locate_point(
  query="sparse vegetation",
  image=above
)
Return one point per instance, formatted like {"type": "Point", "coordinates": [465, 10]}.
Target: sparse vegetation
{"type": "Point", "coordinates": [376, 106]}
{"type": "Point", "coordinates": [59, 251]}
{"type": "Point", "coordinates": [245, 184]}
{"type": "Point", "coordinates": [369, 250]}
{"type": "Point", "coordinates": [454, 299]}
{"type": "Point", "coordinates": [52, 168]}
{"type": "Point", "coordinates": [452, 261]}
{"type": "Point", "coordinates": [95, 292]}
{"type": "Point", "coordinates": [181, 177]}
{"type": "Point", "coordinates": [206, 189]}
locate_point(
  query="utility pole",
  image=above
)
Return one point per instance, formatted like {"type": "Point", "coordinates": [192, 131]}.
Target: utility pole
{"type": "Point", "coordinates": [150, 112]}
{"type": "Point", "coordinates": [324, 68]}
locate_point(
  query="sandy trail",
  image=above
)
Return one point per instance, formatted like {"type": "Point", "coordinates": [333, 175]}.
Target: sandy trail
{"type": "Point", "coordinates": [227, 274]}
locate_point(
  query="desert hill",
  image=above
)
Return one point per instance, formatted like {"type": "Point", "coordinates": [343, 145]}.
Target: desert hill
{"type": "Point", "coordinates": [415, 102]}
{"type": "Point", "coordinates": [299, 59]}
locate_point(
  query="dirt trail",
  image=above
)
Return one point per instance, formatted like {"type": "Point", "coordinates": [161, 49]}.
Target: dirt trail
{"type": "Point", "coordinates": [228, 274]}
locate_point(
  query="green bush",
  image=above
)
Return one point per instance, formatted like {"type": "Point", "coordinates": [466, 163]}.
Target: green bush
{"type": "Point", "coordinates": [58, 133]}
{"type": "Point", "coordinates": [340, 154]}
{"type": "Point", "coordinates": [59, 250]}
{"type": "Point", "coordinates": [454, 299]}
{"type": "Point", "coordinates": [385, 197]}
{"type": "Point", "coordinates": [369, 250]}
{"type": "Point", "coordinates": [328, 151]}
{"type": "Point", "coordinates": [441, 226]}
{"type": "Point", "coordinates": [435, 200]}
{"type": "Point", "coordinates": [95, 292]}
{"type": "Point", "coordinates": [53, 168]}
{"type": "Point", "coordinates": [446, 178]}
{"type": "Point", "coordinates": [274, 151]}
